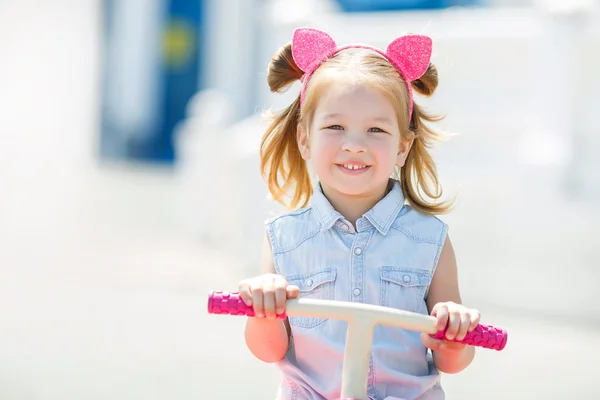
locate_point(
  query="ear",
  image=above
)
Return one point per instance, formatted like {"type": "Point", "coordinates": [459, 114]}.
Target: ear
{"type": "Point", "coordinates": [412, 54]}
{"type": "Point", "coordinates": [302, 139]}
{"type": "Point", "coordinates": [404, 149]}
{"type": "Point", "coordinates": [310, 46]}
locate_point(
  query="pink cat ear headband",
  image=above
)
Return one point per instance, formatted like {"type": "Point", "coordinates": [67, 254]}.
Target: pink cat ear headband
{"type": "Point", "coordinates": [410, 54]}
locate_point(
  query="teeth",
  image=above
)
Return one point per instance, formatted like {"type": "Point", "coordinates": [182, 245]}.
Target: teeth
{"type": "Point", "coordinates": [354, 166]}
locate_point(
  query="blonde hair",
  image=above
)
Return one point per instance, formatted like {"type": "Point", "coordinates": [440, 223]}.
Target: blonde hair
{"type": "Point", "coordinates": [281, 163]}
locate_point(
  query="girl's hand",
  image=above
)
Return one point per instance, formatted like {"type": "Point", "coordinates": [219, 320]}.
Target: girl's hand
{"type": "Point", "coordinates": [458, 319]}
{"type": "Point", "coordinates": [267, 294]}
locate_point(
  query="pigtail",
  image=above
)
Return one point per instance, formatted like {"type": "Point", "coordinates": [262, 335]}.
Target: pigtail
{"type": "Point", "coordinates": [418, 177]}
{"type": "Point", "coordinates": [281, 163]}
{"type": "Point", "coordinates": [427, 84]}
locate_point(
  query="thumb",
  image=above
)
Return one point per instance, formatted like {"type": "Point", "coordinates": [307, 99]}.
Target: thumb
{"type": "Point", "coordinates": [431, 343]}
{"type": "Point", "coordinates": [292, 291]}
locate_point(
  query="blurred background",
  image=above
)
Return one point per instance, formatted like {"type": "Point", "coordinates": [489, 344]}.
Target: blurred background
{"type": "Point", "coordinates": [129, 134]}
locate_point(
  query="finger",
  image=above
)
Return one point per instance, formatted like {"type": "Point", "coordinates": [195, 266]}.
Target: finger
{"type": "Point", "coordinates": [269, 299]}
{"type": "Point", "coordinates": [280, 296]}
{"type": "Point", "coordinates": [257, 301]}
{"type": "Point", "coordinates": [431, 343]}
{"type": "Point", "coordinates": [293, 291]}
{"type": "Point", "coordinates": [453, 324]}
{"type": "Point", "coordinates": [441, 314]}
{"type": "Point", "coordinates": [475, 318]}
{"type": "Point", "coordinates": [244, 290]}
{"type": "Point", "coordinates": [465, 322]}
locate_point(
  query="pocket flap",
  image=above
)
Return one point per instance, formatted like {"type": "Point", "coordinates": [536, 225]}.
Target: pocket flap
{"type": "Point", "coordinates": [406, 276]}
{"type": "Point", "coordinates": [311, 281]}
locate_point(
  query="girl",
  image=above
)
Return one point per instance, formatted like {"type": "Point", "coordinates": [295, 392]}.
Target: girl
{"type": "Point", "coordinates": [365, 232]}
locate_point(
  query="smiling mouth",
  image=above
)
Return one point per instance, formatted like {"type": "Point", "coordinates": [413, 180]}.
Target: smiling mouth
{"type": "Point", "coordinates": [353, 168]}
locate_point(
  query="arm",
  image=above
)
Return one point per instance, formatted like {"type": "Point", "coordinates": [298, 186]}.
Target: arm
{"type": "Point", "coordinates": [267, 338]}
{"type": "Point", "coordinates": [444, 302]}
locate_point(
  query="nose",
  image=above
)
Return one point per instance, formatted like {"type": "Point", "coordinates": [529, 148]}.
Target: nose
{"type": "Point", "coordinates": [354, 143]}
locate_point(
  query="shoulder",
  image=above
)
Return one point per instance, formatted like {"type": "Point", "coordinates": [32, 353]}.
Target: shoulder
{"type": "Point", "coordinates": [420, 227]}
{"type": "Point", "coordinates": [288, 230]}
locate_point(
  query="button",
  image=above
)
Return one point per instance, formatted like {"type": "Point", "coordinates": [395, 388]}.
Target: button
{"type": "Point", "coordinates": [406, 278]}
{"type": "Point", "coordinates": [309, 283]}
{"type": "Point", "coordinates": [357, 251]}
{"type": "Point", "coordinates": [345, 227]}
{"type": "Point", "coordinates": [356, 292]}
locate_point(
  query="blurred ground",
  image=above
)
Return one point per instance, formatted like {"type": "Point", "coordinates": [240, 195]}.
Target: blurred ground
{"type": "Point", "coordinates": [104, 295]}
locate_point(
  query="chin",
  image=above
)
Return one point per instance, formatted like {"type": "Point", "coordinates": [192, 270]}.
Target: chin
{"type": "Point", "coordinates": [352, 189]}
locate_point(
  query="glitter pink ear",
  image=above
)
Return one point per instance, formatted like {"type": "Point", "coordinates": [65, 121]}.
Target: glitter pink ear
{"type": "Point", "coordinates": [310, 47]}
{"type": "Point", "coordinates": [410, 54]}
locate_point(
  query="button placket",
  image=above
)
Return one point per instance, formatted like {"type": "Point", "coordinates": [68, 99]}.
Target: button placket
{"type": "Point", "coordinates": [357, 292]}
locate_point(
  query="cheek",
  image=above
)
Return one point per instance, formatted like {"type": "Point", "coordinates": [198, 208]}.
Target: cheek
{"type": "Point", "coordinates": [385, 149]}
{"type": "Point", "coordinates": [323, 147]}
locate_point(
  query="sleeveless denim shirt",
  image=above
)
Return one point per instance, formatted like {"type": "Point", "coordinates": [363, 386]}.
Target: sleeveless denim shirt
{"type": "Point", "coordinates": [388, 260]}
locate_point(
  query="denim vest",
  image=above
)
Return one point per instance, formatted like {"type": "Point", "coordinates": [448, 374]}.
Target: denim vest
{"type": "Point", "coordinates": [388, 260]}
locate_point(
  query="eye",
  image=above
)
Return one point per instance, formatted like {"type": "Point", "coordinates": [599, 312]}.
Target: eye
{"type": "Point", "coordinates": [377, 130]}
{"type": "Point", "coordinates": [335, 127]}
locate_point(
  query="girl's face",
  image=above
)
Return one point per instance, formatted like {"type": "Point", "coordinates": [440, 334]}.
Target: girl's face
{"type": "Point", "coordinates": [353, 141]}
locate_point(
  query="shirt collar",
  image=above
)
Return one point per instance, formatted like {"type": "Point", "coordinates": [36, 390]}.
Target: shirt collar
{"type": "Point", "coordinates": [381, 216]}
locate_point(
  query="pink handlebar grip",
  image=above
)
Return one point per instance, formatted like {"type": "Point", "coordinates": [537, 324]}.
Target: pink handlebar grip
{"type": "Point", "coordinates": [230, 303]}
{"type": "Point", "coordinates": [485, 336]}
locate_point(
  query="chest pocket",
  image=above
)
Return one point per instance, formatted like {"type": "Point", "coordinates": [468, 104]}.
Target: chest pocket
{"type": "Point", "coordinates": [314, 285]}
{"type": "Point", "coordinates": [404, 288]}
